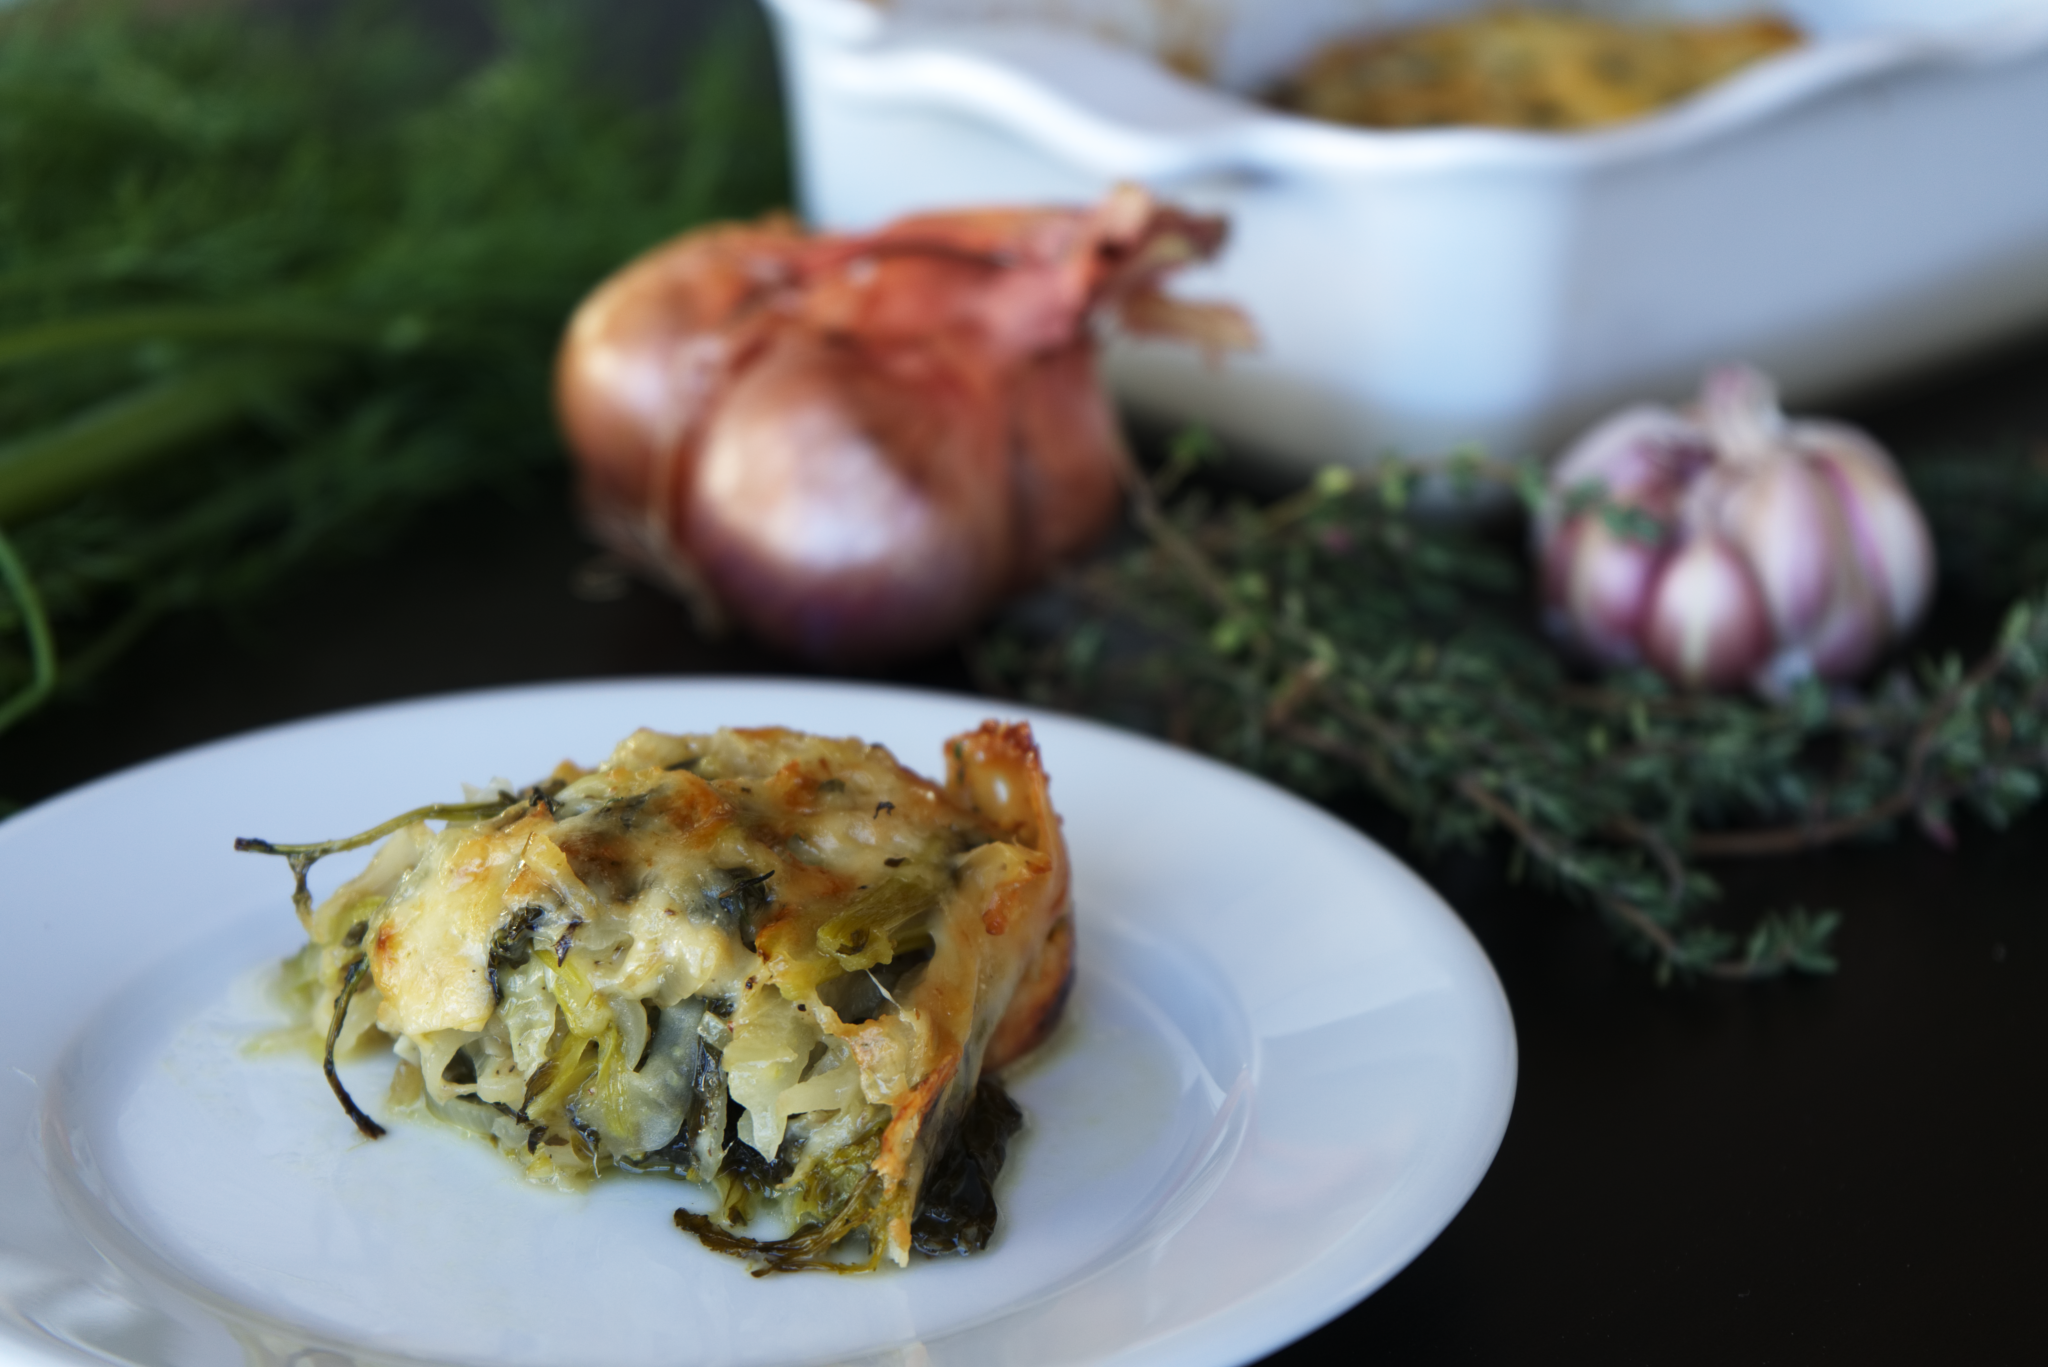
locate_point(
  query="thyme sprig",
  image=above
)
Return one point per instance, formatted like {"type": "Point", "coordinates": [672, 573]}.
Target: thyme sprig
{"type": "Point", "coordinates": [1341, 638]}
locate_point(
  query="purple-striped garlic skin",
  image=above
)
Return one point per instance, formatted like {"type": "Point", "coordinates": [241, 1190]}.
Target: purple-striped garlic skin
{"type": "Point", "coordinates": [1707, 626]}
{"type": "Point", "coordinates": [1728, 545]}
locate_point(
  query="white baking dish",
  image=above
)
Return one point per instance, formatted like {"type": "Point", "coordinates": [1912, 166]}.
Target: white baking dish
{"type": "Point", "coordinates": [1838, 215]}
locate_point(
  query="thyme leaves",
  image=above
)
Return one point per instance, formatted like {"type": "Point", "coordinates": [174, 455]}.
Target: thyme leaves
{"type": "Point", "coordinates": [1340, 640]}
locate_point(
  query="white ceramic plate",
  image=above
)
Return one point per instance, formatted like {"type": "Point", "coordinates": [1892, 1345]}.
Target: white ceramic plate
{"type": "Point", "coordinates": [1285, 1068]}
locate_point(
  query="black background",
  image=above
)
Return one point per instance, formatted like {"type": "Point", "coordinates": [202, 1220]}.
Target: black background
{"type": "Point", "coordinates": [1845, 1169]}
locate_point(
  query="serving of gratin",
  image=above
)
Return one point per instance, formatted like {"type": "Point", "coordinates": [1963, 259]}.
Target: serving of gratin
{"type": "Point", "coordinates": [771, 964]}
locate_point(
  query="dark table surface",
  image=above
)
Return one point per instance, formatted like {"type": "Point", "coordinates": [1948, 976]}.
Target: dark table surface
{"type": "Point", "coordinates": [1849, 1168]}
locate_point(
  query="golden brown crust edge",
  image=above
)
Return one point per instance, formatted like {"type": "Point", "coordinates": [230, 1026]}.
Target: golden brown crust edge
{"type": "Point", "coordinates": [995, 770]}
{"type": "Point", "coordinates": [1040, 998]}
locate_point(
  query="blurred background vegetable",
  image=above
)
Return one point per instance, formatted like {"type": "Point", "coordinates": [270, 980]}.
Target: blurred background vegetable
{"type": "Point", "coordinates": [1348, 647]}
{"type": "Point", "coordinates": [856, 445]}
{"type": "Point", "coordinates": [1727, 545]}
{"type": "Point", "coordinates": [278, 279]}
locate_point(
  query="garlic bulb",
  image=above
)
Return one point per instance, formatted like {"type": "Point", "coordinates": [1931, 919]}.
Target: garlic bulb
{"type": "Point", "coordinates": [1729, 545]}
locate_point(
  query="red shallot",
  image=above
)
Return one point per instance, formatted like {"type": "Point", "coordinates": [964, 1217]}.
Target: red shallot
{"type": "Point", "coordinates": [854, 445]}
{"type": "Point", "coordinates": [1730, 545]}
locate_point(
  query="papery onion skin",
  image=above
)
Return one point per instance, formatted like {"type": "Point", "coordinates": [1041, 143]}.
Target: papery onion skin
{"type": "Point", "coordinates": [1730, 546]}
{"type": "Point", "coordinates": [855, 445]}
{"type": "Point", "coordinates": [830, 494]}
{"type": "Point", "coordinates": [647, 351]}
{"type": "Point", "coordinates": [1067, 498]}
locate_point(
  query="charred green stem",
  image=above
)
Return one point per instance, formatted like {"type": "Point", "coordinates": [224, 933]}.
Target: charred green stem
{"type": "Point", "coordinates": [302, 857]}
{"type": "Point", "coordinates": [352, 979]}
{"type": "Point", "coordinates": [807, 1251]}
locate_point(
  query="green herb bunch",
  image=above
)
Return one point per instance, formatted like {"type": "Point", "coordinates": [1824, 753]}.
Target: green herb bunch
{"type": "Point", "coordinates": [1338, 639]}
{"type": "Point", "coordinates": [268, 289]}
